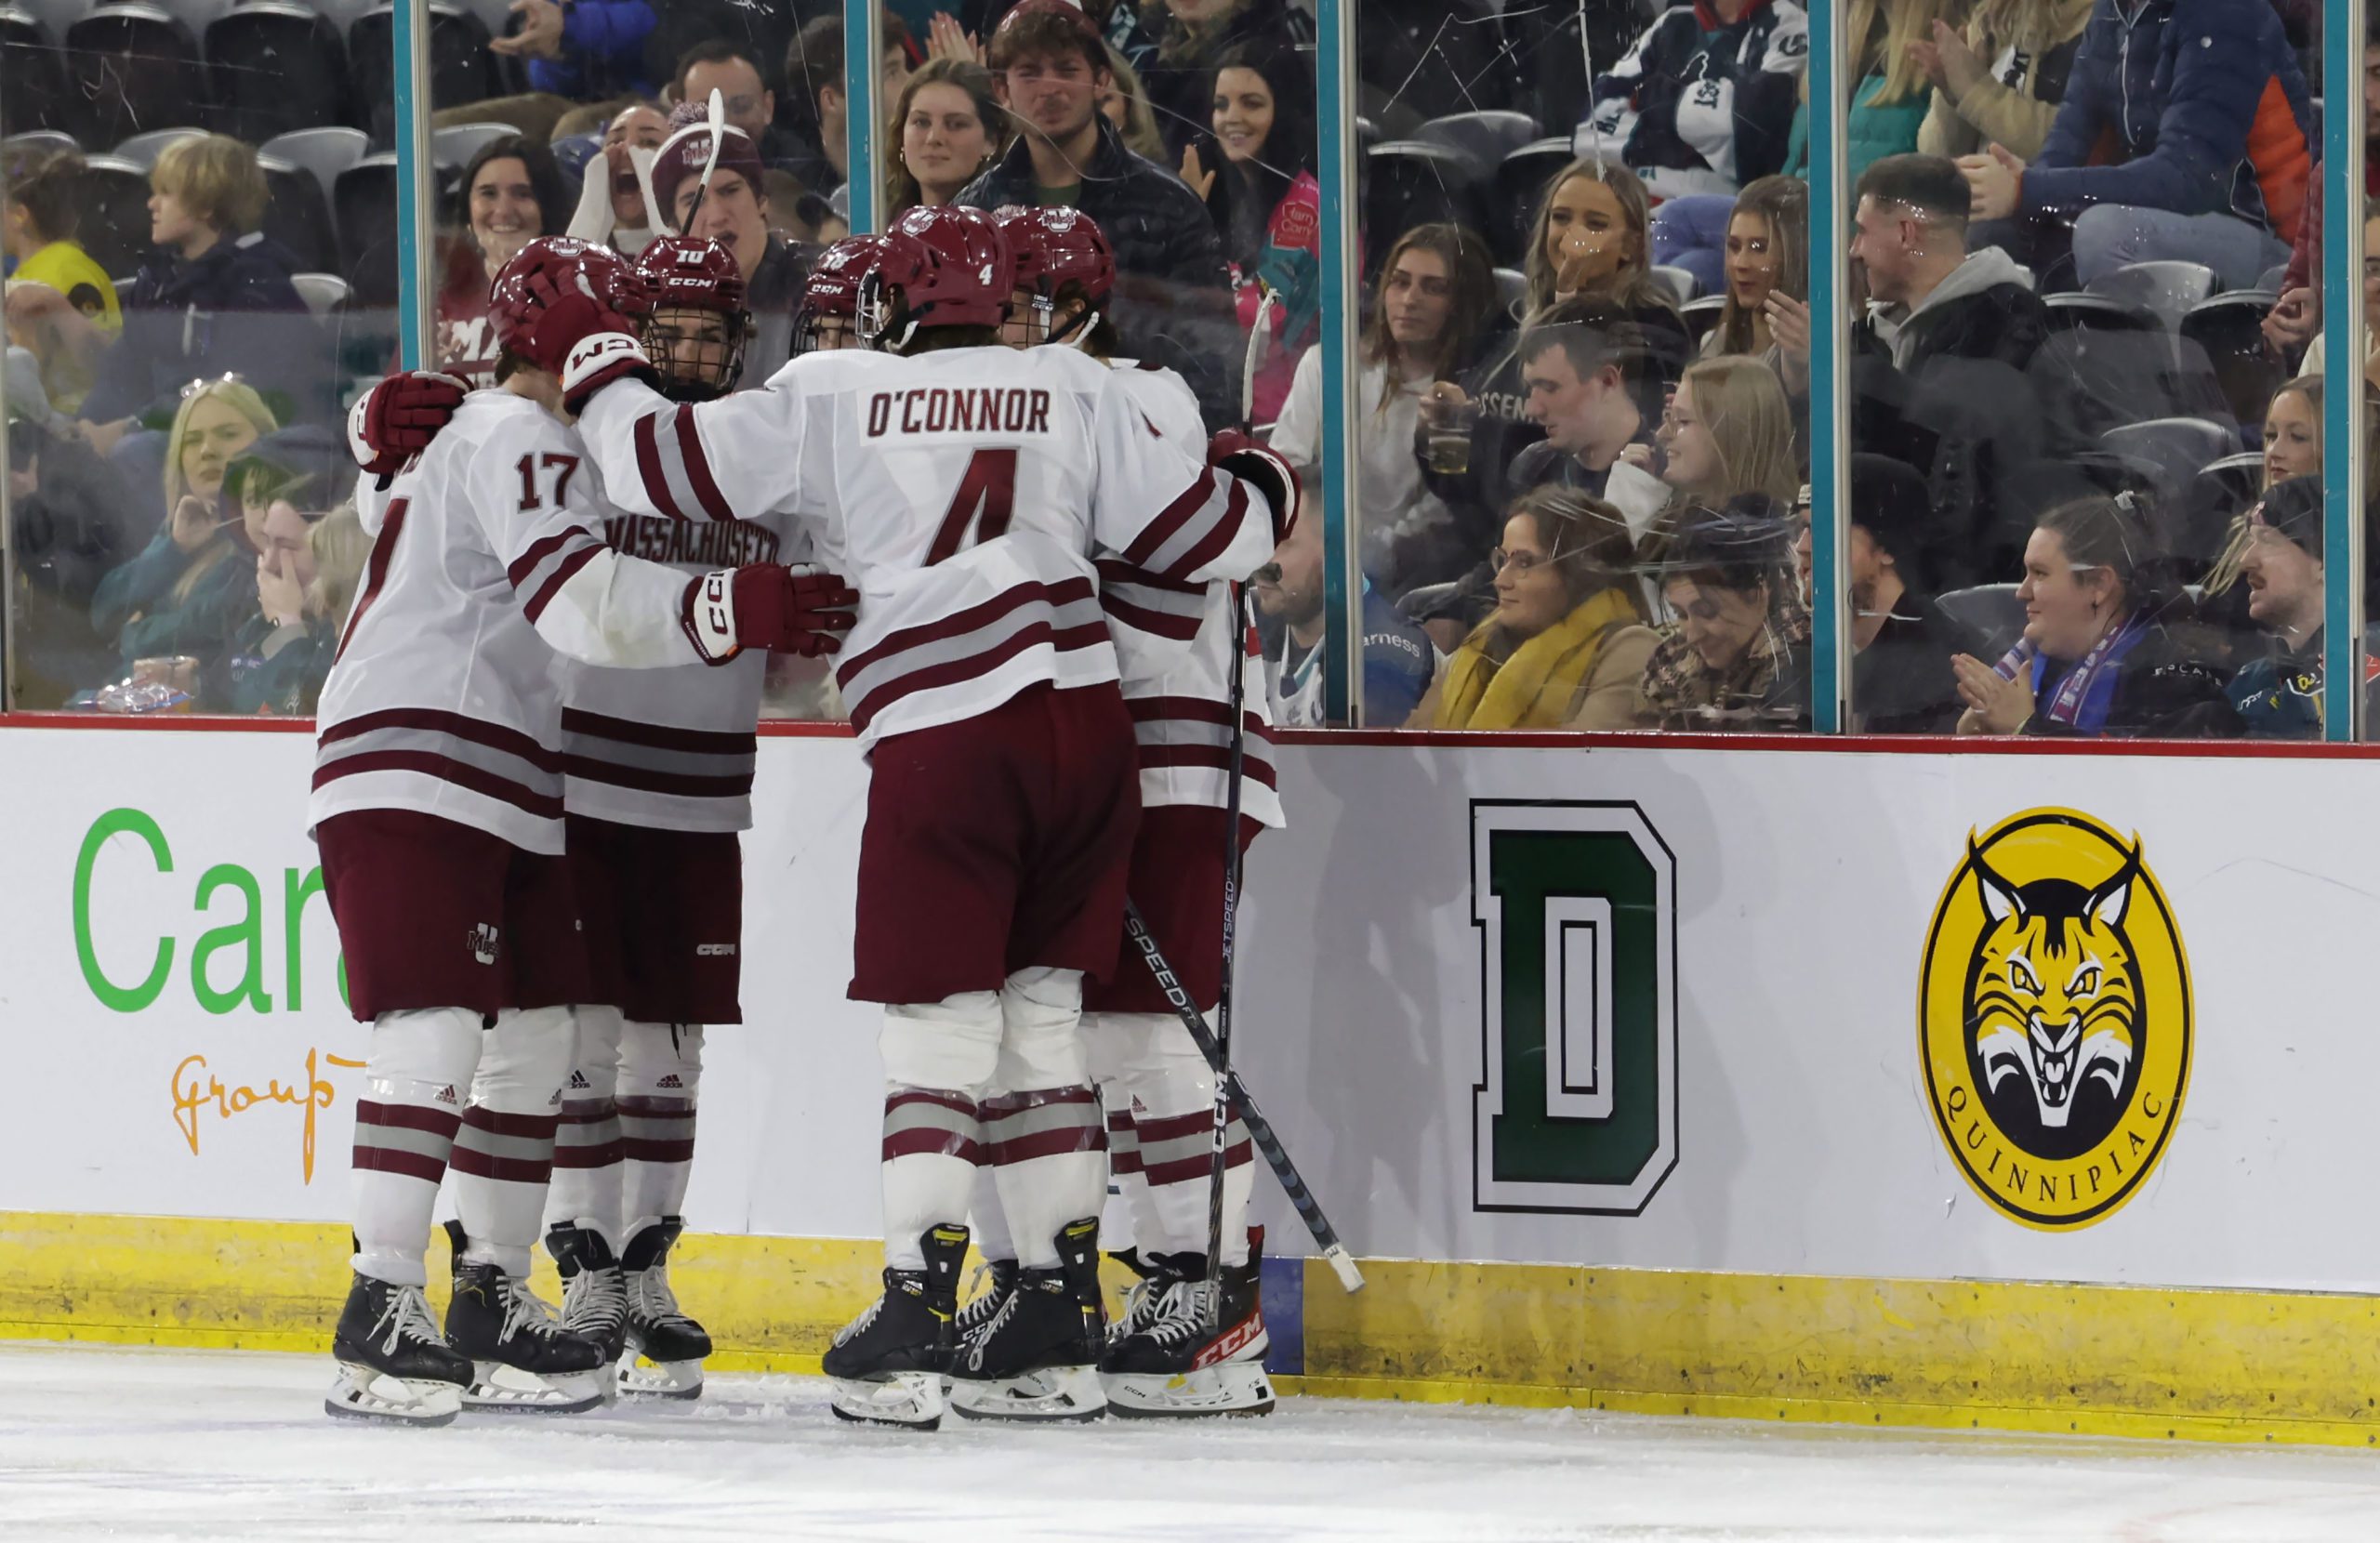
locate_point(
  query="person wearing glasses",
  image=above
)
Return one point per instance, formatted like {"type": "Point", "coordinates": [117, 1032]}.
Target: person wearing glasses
{"type": "Point", "coordinates": [1569, 639]}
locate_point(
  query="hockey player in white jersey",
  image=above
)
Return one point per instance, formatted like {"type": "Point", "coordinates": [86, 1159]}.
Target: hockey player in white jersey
{"type": "Point", "coordinates": [438, 802]}
{"type": "Point", "coordinates": [964, 489]}
{"type": "Point", "coordinates": [1174, 1352]}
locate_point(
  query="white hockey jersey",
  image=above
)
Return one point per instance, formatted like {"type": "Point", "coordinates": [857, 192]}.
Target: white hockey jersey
{"type": "Point", "coordinates": [444, 695]}
{"type": "Point", "coordinates": [671, 749]}
{"type": "Point", "coordinates": [962, 493]}
{"type": "Point", "coordinates": [1173, 645]}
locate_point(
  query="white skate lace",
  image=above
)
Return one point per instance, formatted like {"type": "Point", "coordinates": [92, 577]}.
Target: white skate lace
{"type": "Point", "coordinates": [659, 1303]}
{"type": "Point", "coordinates": [1143, 1299]}
{"type": "Point", "coordinates": [524, 1312]}
{"type": "Point", "coordinates": [595, 1297]}
{"type": "Point", "coordinates": [858, 1326]}
{"type": "Point", "coordinates": [406, 1316]}
{"type": "Point", "coordinates": [980, 1303]}
{"type": "Point", "coordinates": [982, 1336]}
{"type": "Point", "coordinates": [1183, 1315]}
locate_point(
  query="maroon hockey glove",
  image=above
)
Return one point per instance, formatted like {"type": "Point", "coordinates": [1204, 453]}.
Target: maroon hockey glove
{"type": "Point", "coordinates": [397, 419]}
{"type": "Point", "coordinates": [768, 605]}
{"type": "Point", "coordinates": [562, 319]}
{"type": "Point", "coordinates": [597, 359]}
{"type": "Point", "coordinates": [1256, 463]}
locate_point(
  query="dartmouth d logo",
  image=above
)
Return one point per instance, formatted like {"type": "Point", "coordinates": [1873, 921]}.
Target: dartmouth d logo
{"type": "Point", "coordinates": [1576, 1106]}
{"type": "Point", "coordinates": [2054, 1018]}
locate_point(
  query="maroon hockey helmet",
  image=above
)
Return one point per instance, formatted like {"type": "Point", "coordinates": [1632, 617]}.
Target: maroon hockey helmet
{"type": "Point", "coordinates": [1054, 247]}
{"type": "Point", "coordinates": [550, 268]}
{"type": "Point", "coordinates": [831, 296]}
{"type": "Point", "coordinates": [698, 326]}
{"type": "Point", "coordinates": [942, 266]}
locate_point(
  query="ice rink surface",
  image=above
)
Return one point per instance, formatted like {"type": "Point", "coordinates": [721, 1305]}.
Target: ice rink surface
{"type": "Point", "coordinates": [132, 1444]}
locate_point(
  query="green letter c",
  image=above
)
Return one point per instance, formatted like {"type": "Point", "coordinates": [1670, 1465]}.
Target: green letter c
{"type": "Point", "coordinates": [117, 821]}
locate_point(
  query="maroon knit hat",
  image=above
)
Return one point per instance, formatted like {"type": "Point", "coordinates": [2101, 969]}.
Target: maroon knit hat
{"type": "Point", "coordinates": [683, 154]}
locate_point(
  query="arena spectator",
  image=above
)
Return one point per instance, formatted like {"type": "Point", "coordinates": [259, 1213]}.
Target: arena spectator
{"type": "Point", "coordinates": [2293, 445]}
{"type": "Point", "coordinates": [1767, 274]}
{"type": "Point", "coordinates": [1569, 639]}
{"type": "Point", "coordinates": [512, 194]}
{"type": "Point", "coordinates": [195, 581]}
{"type": "Point", "coordinates": [1889, 105]}
{"type": "Point", "coordinates": [1398, 660]}
{"type": "Point", "coordinates": [1728, 434]}
{"type": "Point", "coordinates": [1940, 361]}
{"type": "Point", "coordinates": [303, 605]}
{"type": "Point", "coordinates": [1125, 103]}
{"type": "Point", "coordinates": [2294, 318]}
{"type": "Point", "coordinates": [1704, 102]}
{"type": "Point", "coordinates": [1583, 376]}
{"type": "Point", "coordinates": [736, 213]}
{"type": "Point", "coordinates": [52, 273]}
{"type": "Point", "coordinates": [2315, 351]}
{"type": "Point", "coordinates": [1257, 180]}
{"type": "Point", "coordinates": [611, 203]}
{"type": "Point", "coordinates": [1903, 641]}
{"type": "Point", "coordinates": [947, 130]}
{"type": "Point", "coordinates": [2000, 81]}
{"type": "Point", "coordinates": [2278, 695]}
{"type": "Point", "coordinates": [1433, 296]}
{"type": "Point", "coordinates": [818, 151]}
{"type": "Point", "coordinates": [2182, 134]}
{"type": "Point", "coordinates": [762, 30]}
{"type": "Point", "coordinates": [215, 298]}
{"type": "Point", "coordinates": [2095, 658]}
{"type": "Point", "coordinates": [584, 49]}
{"type": "Point", "coordinates": [1174, 304]}
{"type": "Point", "coordinates": [72, 520]}
{"type": "Point", "coordinates": [1192, 38]}
{"type": "Point", "coordinates": [1735, 656]}
{"type": "Point", "coordinates": [277, 656]}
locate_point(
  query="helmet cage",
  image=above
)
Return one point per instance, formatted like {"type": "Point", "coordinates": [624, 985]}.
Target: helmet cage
{"type": "Point", "coordinates": [696, 369]}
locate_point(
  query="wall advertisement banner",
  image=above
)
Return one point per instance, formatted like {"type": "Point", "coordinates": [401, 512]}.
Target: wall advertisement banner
{"type": "Point", "coordinates": [1781, 1011]}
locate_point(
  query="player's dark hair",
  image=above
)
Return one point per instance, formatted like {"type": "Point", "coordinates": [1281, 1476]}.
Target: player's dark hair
{"type": "Point", "coordinates": [1592, 332]}
{"type": "Point", "coordinates": [1932, 184]}
{"type": "Point", "coordinates": [1103, 342]}
{"type": "Point", "coordinates": [720, 51]}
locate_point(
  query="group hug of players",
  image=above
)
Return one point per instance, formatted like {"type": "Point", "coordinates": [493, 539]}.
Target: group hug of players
{"type": "Point", "coordinates": [536, 747]}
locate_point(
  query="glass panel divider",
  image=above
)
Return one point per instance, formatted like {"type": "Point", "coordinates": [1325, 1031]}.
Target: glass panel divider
{"type": "Point", "coordinates": [1830, 370]}
{"type": "Point", "coordinates": [863, 21]}
{"type": "Point", "coordinates": [1334, 78]}
{"type": "Point", "coordinates": [417, 185]}
{"type": "Point", "coordinates": [2343, 353]}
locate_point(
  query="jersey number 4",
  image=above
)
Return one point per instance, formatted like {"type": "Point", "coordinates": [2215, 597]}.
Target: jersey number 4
{"type": "Point", "coordinates": [550, 461]}
{"type": "Point", "coordinates": [983, 500]}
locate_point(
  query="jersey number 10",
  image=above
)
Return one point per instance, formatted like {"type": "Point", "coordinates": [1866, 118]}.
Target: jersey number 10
{"type": "Point", "coordinates": [983, 500]}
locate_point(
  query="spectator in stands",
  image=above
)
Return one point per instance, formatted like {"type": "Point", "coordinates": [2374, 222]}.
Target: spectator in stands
{"type": "Point", "coordinates": [1729, 433]}
{"type": "Point", "coordinates": [1939, 361]}
{"type": "Point", "coordinates": [1704, 102]}
{"type": "Point", "coordinates": [1174, 304]}
{"type": "Point", "coordinates": [2095, 658]}
{"type": "Point", "coordinates": [819, 152]}
{"type": "Point", "coordinates": [72, 520]}
{"type": "Point", "coordinates": [2182, 134]}
{"type": "Point", "coordinates": [736, 213]}
{"type": "Point", "coordinates": [1125, 103]}
{"type": "Point", "coordinates": [193, 583]}
{"type": "Point", "coordinates": [1903, 641]}
{"type": "Point", "coordinates": [52, 275]}
{"type": "Point", "coordinates": [215, 298]}
{"type": "Point", "coordinates": [946, 130]}
{"type": "Point", "coordinates": [2315, 350]}
{"type": "Point", "coordinates": [1767, 271]}
{"type": "Point", "coordinates": [1398, 660]}
{"type": "Point", "coordinates": [2291, 322]}
{"type": "Point", "coordinates": [584, 49]}
{"type": "Point", "coordinates": [1889, 105]}
{"type": "Point", "coordinates": [2294, 431]}
{"type": "Point", "coordinates": [302, 605]}
{"type": "Point", "coordinates": [1734, 657]}
{"type": "Point", "coordinates": [1582, 376]}
{"type": "Point", "coordinates": [1998, 81]}
{"type": "Point", "coordinates": [1260, 191]}
{"type": "Point", "coordinates": [1569, 639]}
{"type": "Point", "coordinates": [1433, 297]}
{"type": "Point", "coordinates": [2278, 695]}
{"type": "Point", "coordinates": [1192, 37]}
{"type": "Point", "coordinates": [279, 653]}
{"type": "Point", "coordinates": [512, 194]}
{"type": "Point", "coordinates": [638, 127]}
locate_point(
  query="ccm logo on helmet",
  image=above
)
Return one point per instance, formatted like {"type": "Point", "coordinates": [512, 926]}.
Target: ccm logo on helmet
{"type": "Point", "coordinates": [939, 409]}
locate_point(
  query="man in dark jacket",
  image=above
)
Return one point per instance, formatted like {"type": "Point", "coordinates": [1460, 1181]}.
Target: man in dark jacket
{"type": "Point", "coordinates": [1939, 364]}
{"type": "Point", "coordinates": [1704, 102]}
{"type": "Point", "coordinates": [1174, 302]}
{"type": "Point", "coordinates": [1901, 680]}
{"type": "Point", "coordinates": [2183, 135]}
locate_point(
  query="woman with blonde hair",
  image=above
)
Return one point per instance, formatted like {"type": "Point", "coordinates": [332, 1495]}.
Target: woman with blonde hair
{"type": "Point", "coordinates": [1125, 103]}
{"type": "Point", "coordinates": [1975, 102]}
{"type": "Point", "coordinates": [1728, 431]}
{"type": "Point", "coordinates": [1889, 103]}
{"type": "Point", "coordinates": [185, 593]}
{"type": "Point", "coordinates": [947, 127]}
{"type": "Point", "coordinates": [1569, 641]}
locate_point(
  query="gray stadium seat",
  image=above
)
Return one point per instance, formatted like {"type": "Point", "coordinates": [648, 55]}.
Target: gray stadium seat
{"type": "Point", "coordinates": [1409, 183]}
{"type": "Point", "coordinates": [1519, 187]}
{"type": "Point", "coordinates": [116, 220]}
{"type": "Point", "coordinates": [142, 150]}
{"type": "Point", "coordinates": [1485, 136]}
{"type": "Point", "coordinates": [2097, 313]}
{"type": "Point", "coordinates": [325, 152]}
{"type": "Point", "coordinates": [56, 14]}
{"type": "Point", "coordinates": [37, 141]}
{"type": "Point", "coordinates": [323, 293]}
{"type": "Point", "coordinates": [197, 15]}
{"type": "Point", "coordinates": [1681, 283]}
{"type": "Point", "coordinates": [1992, 612]}
{"type": "Point", "coordinates": [2165, 290]}
{"type": "Point", "coordinates": [2177, 448]}
{"type": "Point", "coordinates": [277, 67]}
{"type": "Point", "coordinates": [1702, 316]}
{"type": "Point", "coordinates": [1512, 291]}
{"type": "Point", "coordinates": [456, 144]}
{"type": "Point", "coordinates": [134, 67]}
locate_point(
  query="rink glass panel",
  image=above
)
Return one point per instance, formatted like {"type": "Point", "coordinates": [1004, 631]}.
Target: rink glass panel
{"type": "Point", "coordinates": [137, 581]}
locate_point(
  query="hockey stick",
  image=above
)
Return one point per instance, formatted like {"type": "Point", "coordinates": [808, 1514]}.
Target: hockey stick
{"type": "Point", "coordinates": [710, 162]}
{"type": "Point", "coordinates": [1233, 781]}
{"type": "Point", "coordinates": [1260, 1129]}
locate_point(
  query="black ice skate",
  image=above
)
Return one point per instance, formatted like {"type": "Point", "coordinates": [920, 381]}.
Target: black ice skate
{"type": "Point", "coordinates": [1190, 1359]}
{"type": "Point", "coordinates": [1152, 1278]}
{"type": "Point", "coordinates": [887, 1364]}
{"type": "Point", "coordinates": [594, 1295]}
{"type": "Point", "coordinates": [666, 1348]}
{"type": "Point", "coordinates": [1037, 1359]}
{"type": "Point", "coordinates": [392, 1366]}
{"type": "Point", "coordinates": [521, 1358]}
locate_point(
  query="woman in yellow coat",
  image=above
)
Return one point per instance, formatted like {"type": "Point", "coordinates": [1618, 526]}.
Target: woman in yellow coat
{"type": "Point", "coordinates": [1569, 640]}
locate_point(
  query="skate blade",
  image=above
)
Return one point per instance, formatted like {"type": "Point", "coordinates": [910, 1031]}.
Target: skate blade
{"type": "Point", "coordinates": [511, 1390]}
{"type": "Point", "coordinates": [908, 1401]}
{"type": "Point", "coordinates": [640, 1378]}
{"type": "Point", "coordinates": [1052, 1395]}
{"type": "Point", "coordinates": [1238, 1388]}
{"type": "Point", "coordinates": [360, 1392]}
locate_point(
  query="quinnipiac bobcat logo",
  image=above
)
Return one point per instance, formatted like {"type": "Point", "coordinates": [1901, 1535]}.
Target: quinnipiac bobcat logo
{"type": "Point", "coordinates": [2054, 1018]}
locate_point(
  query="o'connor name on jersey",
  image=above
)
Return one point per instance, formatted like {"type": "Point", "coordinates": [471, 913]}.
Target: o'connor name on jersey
{"type": "Point", "coordinates": [964, 410]}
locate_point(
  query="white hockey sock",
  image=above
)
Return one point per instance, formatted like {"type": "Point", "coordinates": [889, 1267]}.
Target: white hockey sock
{"type": "Point", "coordinates": [1049, 1151]}
{"type": "Point", "coordinates": [1177, 1159]}
{"type": "Point", "coordinates": [587, 1153]}
{"type": "Point", "coordinates": [414, 1081]}
{"type": "Point", "coordinates": [661, 1075]}
{"type": "Point", "coordinates": [1124, 1165]}
{"type": "Point", "coordinates": [985, 1217]}
{"type": "Point", "coordinates": [930, 1150]}
{"type": "Point", "coordinates": [504, 1153]}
